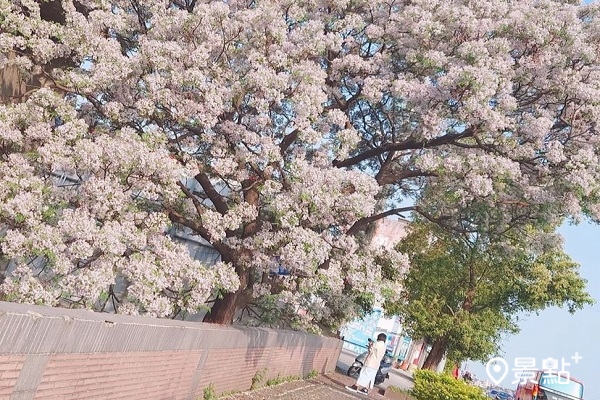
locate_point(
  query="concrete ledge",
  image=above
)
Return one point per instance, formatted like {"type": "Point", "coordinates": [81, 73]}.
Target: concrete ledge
{"type": "Point", "coordinates": [78, 354]}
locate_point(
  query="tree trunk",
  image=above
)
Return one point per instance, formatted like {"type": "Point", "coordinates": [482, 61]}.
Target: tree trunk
{"type": "Point", "coordinates": [16, 86]}
{"type": "Point", "coordinates": [4, 263]}
{"type": "Point", "coordinates": [224, 309]}
{"type": "Point", "coordinates": [13, 85]}
{"type": "Point", "coordinates": [438, 349]}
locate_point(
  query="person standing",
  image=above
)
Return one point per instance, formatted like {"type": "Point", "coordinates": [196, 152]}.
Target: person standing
{"type": "Point", "coordinates": [366, 379]}
{"type": "Point", "coordinates": [455, 371]}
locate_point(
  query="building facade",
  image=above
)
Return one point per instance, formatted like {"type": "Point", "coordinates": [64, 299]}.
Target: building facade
{"type": "Point", "coordinates": [386, 233]}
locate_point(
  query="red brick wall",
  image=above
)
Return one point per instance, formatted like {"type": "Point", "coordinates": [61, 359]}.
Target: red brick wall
{"type": "Point", "coordinates": [10, 366]}
{"type": "Point", "coordinates": [50, 353]}
{"type": "Point", "coordinates": [118, 375]}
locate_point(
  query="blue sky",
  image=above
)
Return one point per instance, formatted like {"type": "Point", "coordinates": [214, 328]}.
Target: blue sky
{"type": "Point", "coordinates": [555, 333]}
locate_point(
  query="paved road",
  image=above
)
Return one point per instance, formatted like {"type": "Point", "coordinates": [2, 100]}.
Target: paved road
{"type": "Point", "coordinates": [324, 387]}
{"type": "Point", "coordinates": [314, 389]}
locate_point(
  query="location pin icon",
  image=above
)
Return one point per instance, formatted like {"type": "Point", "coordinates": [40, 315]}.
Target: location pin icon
{"type": "Point", "coordinates": [496, 369]}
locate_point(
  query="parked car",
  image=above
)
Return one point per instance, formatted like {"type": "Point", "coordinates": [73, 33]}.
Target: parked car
{"type": "Point", "coordinates": [499, 393]}
{"type": "Point", "coordinates": [548, 385]}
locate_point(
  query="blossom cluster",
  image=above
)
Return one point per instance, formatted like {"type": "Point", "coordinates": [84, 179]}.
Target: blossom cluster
{"type": "Point", "coordinates": [279, 130]}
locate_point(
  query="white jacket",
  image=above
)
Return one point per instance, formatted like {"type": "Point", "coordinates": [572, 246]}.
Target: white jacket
{"type": "Point", "coordinates": [376, 353]}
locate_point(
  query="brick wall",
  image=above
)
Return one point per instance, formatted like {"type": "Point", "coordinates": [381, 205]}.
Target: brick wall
{"type": "Point", "coordinates": [54, 353]}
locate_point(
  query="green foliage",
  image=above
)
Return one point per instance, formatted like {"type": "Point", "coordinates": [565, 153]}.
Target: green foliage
{"type": "Point", "coordinates": [312, 374]}
{"type": "Point", "coordinates": [405, 394]}
{"type": "Point", "coordinates": [209, 393]}
{"type": "Point", "coordinates": [278, 380]}
{"type": "Point", "coordinates": [465, 290]}
{"type": "Point", "coordinates": [433, 386]}
{"type": "Point", "coordinates": [51, 213]}
{"type": "Point", "coordinates": [364, 302]}
{"type": "Point", "coordinates": [449, 366]}
{"type": "Point", "coordinates": [229, 393]}
{"type": "Point", "coordinates": [19, 218]}
{"type": "Point", "coordinates": [268, 311]}
{"type": "Point", "coordinates": [258, 378]}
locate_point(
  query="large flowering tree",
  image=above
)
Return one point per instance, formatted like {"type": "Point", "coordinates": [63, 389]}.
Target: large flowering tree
{"type": "Point", "coordinates": [273, 129]}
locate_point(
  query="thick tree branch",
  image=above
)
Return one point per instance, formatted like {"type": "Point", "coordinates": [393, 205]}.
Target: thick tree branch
{"type": "Point", "coordinates": [392, 176]}
{"type": "Point", "coordinates": [363, 222]}
{"type": "Point", "coordinates": [224, 250]}
{"type": "Point", "coordinates": [212, 193]}
{"type": "Point", "coordinates": [190, 195]}
{"type": "Point", "coordinates": [410, 144]}
{"type": "Point", "coordinates": [287, 141]}
{"type": "Point", "coordinates": [180, 138]}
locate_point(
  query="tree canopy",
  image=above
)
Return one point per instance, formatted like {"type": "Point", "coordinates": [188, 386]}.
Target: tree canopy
{"type": "Point", "coordinates": [464, 292]}
{"type": "Point", "coordinates": [279, 128]}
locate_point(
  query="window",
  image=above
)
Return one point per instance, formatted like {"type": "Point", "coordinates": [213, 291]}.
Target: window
{"type": "Point", "coordinates": [561, 385]}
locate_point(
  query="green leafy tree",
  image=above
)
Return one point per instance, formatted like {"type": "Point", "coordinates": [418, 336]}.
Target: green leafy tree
{"type": "Point", "coordinates": [465, 290]}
